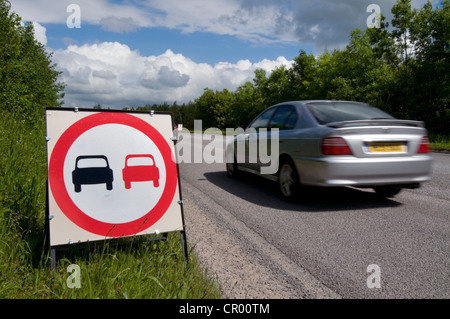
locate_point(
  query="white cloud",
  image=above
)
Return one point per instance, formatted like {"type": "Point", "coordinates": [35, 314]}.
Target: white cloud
{"type": "Point", "coordinates": [91, 12]}
{"type": "Point", "coordinates": [113, 75]}
{"type": "Point", "coordinates": [220, 17]}
{"type": "Point", "coordinates": [39, 33]}
{"type": "Point", "coordinates": [104, 74]}
{"type": "Point", "coordinates": [120, 25]}
{"type": "Point", "coordinates": [322, 23]}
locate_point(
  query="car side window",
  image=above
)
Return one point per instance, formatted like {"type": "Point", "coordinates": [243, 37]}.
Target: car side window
{"type": "Point", "coordinates": [284, 118]}
{"type": "Point", "coordinates": [263, 120]}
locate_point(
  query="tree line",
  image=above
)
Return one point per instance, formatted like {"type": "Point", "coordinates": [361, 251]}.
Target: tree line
{"type": "Point", "coordinates": [401, 67]}
{"type": "Point", "coordinates": [28, 78]}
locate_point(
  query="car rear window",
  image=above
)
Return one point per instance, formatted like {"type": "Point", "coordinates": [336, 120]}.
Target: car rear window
{"type": "Point", "coordinates": [328, 112]}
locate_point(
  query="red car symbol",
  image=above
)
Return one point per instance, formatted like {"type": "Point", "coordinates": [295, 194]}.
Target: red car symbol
{"type": "Point", "coordinates": [140, 173]}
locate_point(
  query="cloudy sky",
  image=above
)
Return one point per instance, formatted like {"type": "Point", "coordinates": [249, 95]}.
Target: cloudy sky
{"type": "Point", "coordinates": [137, 52]}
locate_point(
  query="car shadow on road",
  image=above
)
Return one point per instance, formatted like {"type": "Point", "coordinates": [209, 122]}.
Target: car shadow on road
{"type": "Point", "coordinates": [263, 192]}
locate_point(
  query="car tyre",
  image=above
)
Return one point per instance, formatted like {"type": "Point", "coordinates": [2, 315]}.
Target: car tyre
{"type": "Point", "coordinates": [232, 169]}
{"type": "Point", "coordinates": [288, 181]}
{"type": "Point", "coordinates": [387, 191]}
{"type": "Point", "coordinates": [77, 188]}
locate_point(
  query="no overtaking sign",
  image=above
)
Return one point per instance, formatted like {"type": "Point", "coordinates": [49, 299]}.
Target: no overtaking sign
{"type": "Point", "coordinates": [111, 174]}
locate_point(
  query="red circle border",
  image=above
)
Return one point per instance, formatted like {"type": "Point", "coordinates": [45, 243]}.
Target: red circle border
{"type": "Point", "coordinates": [69, 208]}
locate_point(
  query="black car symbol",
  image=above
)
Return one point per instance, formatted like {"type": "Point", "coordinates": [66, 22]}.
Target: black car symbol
{"type": "Point", "coordinates": [92, 175]}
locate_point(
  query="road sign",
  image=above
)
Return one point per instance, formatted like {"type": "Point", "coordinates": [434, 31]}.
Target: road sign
{"type": "Point", "coordinates": [111, 174]}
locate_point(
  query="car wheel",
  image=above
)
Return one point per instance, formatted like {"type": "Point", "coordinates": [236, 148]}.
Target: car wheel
{"type": "Point", "coordinates": [232, 169]}
{"type": "Point", "coordinates": [77, 188]}
{"type": "Point", "coordinates": [387, 191]}
{"type": "Point", "coordinates": [109, 186]}
{"type": "Point", "coordinates": [288, 181]}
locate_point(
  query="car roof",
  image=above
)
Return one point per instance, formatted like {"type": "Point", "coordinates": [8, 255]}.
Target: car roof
{"type": "Point", "coordinates": [315, 101]}
{"type": "Point", "coordinates": [301, 104]}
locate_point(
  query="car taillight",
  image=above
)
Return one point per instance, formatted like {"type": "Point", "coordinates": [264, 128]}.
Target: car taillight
{"type": "Point", "coordinates": [424, 146]}
{"type": "Point", "coordinates": [335, 146]}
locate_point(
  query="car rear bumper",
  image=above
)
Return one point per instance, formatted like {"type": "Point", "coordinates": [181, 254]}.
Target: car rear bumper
{"type": "Point", "coordinates": [352, 171]}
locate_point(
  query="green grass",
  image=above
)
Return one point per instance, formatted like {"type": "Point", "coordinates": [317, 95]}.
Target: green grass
{"type": "Point", "coordinates": [440, 141]}
{"type": "Point", "coordinates": [153, 270]}
{"type": "Point", "coordinates": [135, 269]}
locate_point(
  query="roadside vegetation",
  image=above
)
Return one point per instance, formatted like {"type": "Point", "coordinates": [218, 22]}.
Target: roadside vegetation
{"type": "Point", "coordinates": [132, 270]}
{"type": "Point", "coordinates": [28, 84]}
{"type": "Point", "coordinates": [440, 142]}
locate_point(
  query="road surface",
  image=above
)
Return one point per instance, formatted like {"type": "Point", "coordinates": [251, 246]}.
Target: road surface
{"type": "Point", "coordinates": [338, 243]}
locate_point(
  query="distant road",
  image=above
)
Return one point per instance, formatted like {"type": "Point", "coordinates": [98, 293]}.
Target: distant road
{"type": "Point", "coordinates": [262, 247]}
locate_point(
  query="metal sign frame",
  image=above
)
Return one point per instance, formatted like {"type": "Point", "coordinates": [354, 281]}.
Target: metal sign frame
{"type": "Point", "coordinates": [103, 177]}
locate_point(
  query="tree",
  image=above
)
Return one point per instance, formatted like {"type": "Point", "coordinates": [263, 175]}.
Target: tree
{"type": "Point", "coordinates": [402, 22]}
{"type": "Point", "coordinates": [421, 78]}
{"type": "Point", "coordinates": [302, 74]}
{"type": "Point", "coordinates": [215, 108]}
{"type": "Point", "coordinates": [246, 105]}
{"type": "Point", "coordinates": [430, 33]}
{"type": "Point", "coordinates": [29, 80]}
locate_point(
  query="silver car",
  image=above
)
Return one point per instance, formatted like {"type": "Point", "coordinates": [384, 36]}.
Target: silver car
{"type": "Point", "coordinates": [333, 143]}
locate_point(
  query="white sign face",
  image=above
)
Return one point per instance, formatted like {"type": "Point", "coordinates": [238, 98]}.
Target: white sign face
{"type": "Point", "coordinates": [111, 174]}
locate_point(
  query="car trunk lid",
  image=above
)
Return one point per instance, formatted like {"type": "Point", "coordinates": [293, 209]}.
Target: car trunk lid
{"type": "Point", "coordinates": [380, 137]}
{"type": "Point", "coordinates": [377, 122]}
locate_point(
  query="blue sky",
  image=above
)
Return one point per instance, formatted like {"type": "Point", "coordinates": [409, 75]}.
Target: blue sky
{"type": "Point", "coordinates": [201, 47]}
{"type": "Point", "coordinates": [137, 52]}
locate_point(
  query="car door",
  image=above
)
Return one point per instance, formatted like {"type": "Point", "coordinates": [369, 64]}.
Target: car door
{"type": "Point", "coordinates": [284, 119]}
{"type": "Point", "coordinates": [250, 137]}
{"type": "Point", "coordinates": [259, 135]}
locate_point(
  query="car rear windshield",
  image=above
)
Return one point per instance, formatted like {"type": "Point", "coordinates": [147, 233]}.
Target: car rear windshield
{"type": "Point", "coordinates": [328, 112]}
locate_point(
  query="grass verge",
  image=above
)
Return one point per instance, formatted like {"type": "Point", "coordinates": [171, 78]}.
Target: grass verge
{"type": "Point", "coordinates": [439, 142]}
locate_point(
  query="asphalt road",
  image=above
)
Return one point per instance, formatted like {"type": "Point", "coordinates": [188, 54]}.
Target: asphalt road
{"type": "Point", "coordinates": [324, 246]}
